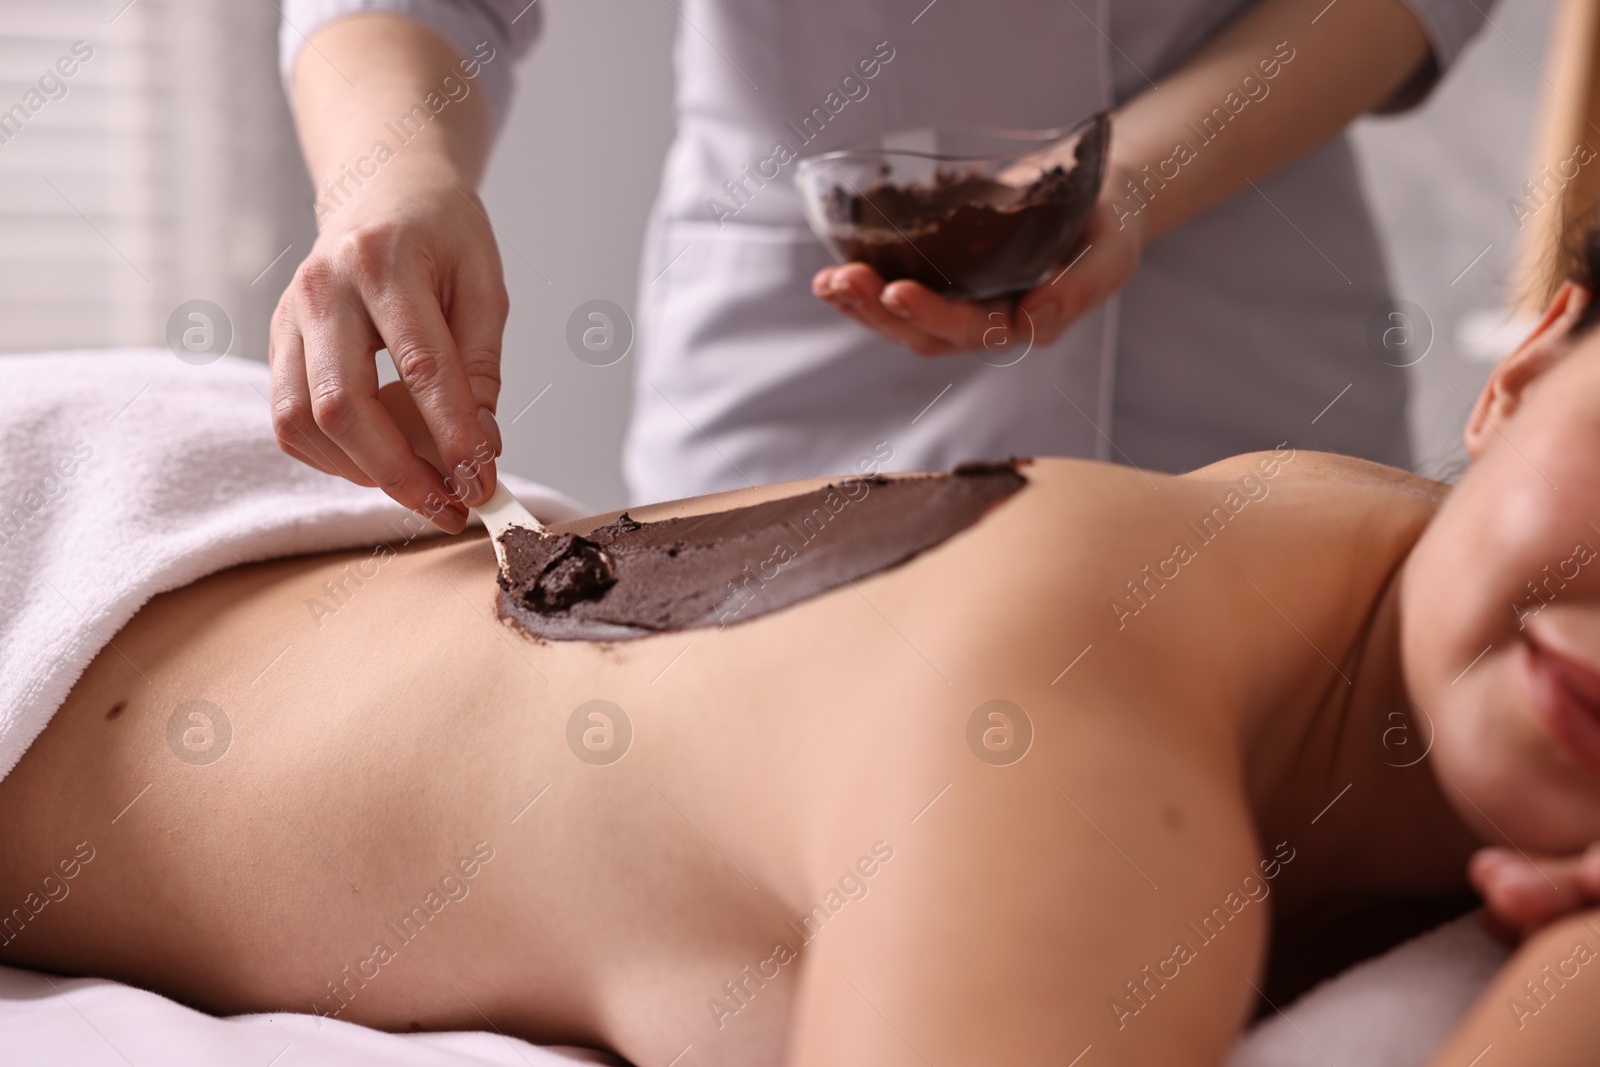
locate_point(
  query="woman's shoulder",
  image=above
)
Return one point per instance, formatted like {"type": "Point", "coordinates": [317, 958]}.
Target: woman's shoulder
{"type": "Point", "coordinates": [1290, 465]}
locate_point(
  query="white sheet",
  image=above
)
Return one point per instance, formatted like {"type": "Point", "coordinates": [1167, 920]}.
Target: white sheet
{"type": "Point", "coordinates": [1393, 1011]}
{"type": "Point", "coordinates": [87, 1022]}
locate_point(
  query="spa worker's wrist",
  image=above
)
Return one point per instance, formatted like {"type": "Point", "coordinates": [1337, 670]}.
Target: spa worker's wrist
{"type": "Point", "coordinates": [1096, 269]}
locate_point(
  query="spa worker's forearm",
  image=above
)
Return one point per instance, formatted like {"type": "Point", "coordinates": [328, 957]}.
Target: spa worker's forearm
{"type": "Point", "coordinates": [1268, 90]}
{"type": "Point", "coordinates": [356, 77]}
{"type": "Point", "coordinates": [396, 131]}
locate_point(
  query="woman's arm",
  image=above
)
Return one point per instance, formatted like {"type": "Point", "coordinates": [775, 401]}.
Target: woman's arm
{"type": "Point", "coordinates": [396, 134]}
{"type": "Point", "coordinates": [1542, 1009]}
{"type": "Point", "coordinates": [1266, 91]}
{"type": "Point", "coordinates": [1284, 78]}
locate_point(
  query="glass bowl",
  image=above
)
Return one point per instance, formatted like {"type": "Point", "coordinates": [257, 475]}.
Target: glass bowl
{"type": "Point", "coordinates": [972, 214]}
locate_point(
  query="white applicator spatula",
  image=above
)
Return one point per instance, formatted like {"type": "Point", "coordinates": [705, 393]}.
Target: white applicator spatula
{"type": "Point", "coordinates": [500, 512]}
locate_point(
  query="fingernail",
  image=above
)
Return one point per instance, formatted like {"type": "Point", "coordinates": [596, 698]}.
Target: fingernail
{"type": "Point", "coordinates": [1522, 879]}
{"type": "Point", "coordinates": [452, 519]}
{"type": "Point", "coordinates": [1489, 861]}
{"type": "Point", "coordinates": [491, 429]}
{"type": "Point", "coordinates": [896, 307]}
{"type": "Point", "coordinates": [468, 484]}
{"type": "Point", "coordinates": [840, 293]}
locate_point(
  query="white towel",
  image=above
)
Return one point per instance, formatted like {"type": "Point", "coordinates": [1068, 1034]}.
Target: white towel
{"type": "Point", "coordinates": [127, 473]}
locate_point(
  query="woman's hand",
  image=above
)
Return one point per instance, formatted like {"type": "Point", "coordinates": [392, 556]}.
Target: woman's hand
{"type": "Point", "coordinates": [1523, 894]}
{"type": "Point", "coordinates": [910, 314]}
{"type": "Point", "coordinates": [413, 268]}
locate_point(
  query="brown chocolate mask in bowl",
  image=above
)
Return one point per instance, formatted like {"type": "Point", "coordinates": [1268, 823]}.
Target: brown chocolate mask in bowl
{"type": "Point", "coordinates": [630, 579]}
{"type": "Point", "coordinates": [967, 235]}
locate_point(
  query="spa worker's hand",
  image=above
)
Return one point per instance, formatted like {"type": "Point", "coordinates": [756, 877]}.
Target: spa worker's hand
{"type": "Point", "coordinates": [405, 259]}
{"type": "Point", "coordinates": [1306, 83]}
{"type": "Point", "coordinates": [911, 314]}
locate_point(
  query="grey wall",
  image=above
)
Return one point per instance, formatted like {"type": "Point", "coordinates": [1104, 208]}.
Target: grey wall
{"type": "Point", "coordinates": [570, 184]}
{"type": "Point", "coordinates": [167, 172]}
{"type": "Point", "coordinates": [1439, 178]}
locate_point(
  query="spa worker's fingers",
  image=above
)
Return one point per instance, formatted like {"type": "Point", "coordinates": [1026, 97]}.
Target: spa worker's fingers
{"type": "Point", "coordinates": [379, 281]}
{"type": "Point", "coordinates": [855, 290]}
{"type": "Point", "coordinates": [1522, 894]}
{"type": "Point", "coordinates": [405, 259]}
{"type": "Point", "coordinates": [412, 289]}
{"type": "Point", "coordinates": [912, 315]}
{"type": "Point", "coordinates": [297, 432]}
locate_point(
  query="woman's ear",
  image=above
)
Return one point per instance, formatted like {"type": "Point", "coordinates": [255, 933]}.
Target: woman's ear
{"type": "Point", "coordinates": [1503, 392]}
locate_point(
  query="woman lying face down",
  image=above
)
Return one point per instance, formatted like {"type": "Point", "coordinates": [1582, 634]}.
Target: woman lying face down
{"type": "Point", "coordinates": [1050, 789]}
